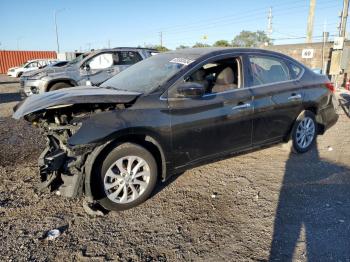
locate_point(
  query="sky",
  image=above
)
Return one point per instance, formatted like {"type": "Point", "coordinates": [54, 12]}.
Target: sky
{"type": "Point", "coordinates": [29, 25]}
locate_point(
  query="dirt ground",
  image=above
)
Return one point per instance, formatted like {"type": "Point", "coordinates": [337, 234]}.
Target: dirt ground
{"type": "Point", "coordinates": [266, 205]}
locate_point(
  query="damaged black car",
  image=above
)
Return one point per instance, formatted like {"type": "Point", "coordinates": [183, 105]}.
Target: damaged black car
{"type": "Point", "coordinates": [171, 112]}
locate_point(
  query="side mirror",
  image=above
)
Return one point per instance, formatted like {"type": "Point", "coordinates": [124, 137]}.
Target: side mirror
{"type": "Point", "coordinates": [87, 68]}
{"type": "Point", "coordinates": [191, 90]}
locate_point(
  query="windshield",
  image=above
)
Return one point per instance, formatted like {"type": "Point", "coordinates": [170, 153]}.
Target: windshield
{"type": "Point", "coordinates": [148, 74]}
{"type": "Point", "coordinates": [25, 64]}
{"type": "Point", "coordinates": [78, 58]}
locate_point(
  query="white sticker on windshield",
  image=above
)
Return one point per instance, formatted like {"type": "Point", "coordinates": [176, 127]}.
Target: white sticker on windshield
{"type": "Point", "coordinates": [183, 61]}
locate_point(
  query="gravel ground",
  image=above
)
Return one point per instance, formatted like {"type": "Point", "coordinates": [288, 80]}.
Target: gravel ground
{"type": "Point", "coordinates": [265, 205]}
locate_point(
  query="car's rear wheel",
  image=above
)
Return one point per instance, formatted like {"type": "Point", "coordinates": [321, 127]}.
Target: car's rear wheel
{"type": "Point", "coordinates": [304, 132]}
{"type": "Point", "coordinates": [58, 86]}
{"type": "Point", "coordinates": [126, 178]}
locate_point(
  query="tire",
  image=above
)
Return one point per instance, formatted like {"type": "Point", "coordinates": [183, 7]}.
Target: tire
{"type": "Point", "coordinates": [58, 86]}
{"type": "Point", "coordinates": [115, 186]}
{"type": "Point", "coordinates": [304, 132]}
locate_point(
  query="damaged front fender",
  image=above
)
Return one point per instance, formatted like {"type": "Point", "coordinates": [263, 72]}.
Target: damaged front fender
{"type": "Point", "coordinates": [110, 125]}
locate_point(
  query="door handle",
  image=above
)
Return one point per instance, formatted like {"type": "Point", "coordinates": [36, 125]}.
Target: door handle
{"type": "Point", "coordinates": [109, 71]}
{"type": "Point", "coordinates": [241, 106]}
{"type": "Point", "coordinates": [295, 97]}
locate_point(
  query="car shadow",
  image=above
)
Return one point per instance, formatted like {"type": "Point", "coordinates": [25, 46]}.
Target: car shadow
{"type": "Point", "coordinates": [10, 97]}
{"type": "Point", "coordinates": [313, 210]}
{"type": "Point", "coordinates": [161, 185]}
{"type": "Point", "coordinates": [344, 102]}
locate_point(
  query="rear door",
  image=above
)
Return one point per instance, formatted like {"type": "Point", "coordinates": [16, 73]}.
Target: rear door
{"type": "Point", "coordinates": [277, 97]}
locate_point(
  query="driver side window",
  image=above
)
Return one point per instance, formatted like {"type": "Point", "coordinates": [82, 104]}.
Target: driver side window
{"type": "Point", "coordinates": [218, 76]}
{"type": "Point", "coordinates": [101, 61]}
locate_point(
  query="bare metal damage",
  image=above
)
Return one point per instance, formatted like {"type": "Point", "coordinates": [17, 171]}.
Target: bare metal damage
{"type": "Point", "coordinates": [59, 116]}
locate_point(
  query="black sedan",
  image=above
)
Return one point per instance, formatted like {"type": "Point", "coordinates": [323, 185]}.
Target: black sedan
{"type": "Point", "coordinates": [171, 112]}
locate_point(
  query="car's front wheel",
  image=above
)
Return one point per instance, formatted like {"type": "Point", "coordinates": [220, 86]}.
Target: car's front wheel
{"type": "Point", "coordinates": [126, 178]}
{"type": "Point", "coordinates": [304, 132]}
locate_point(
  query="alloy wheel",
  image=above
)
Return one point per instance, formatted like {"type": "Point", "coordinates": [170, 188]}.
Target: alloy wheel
{"type": "Point", "coordinates": [305, 132]}
{"type": "Point", "coordinates": [126, 179]}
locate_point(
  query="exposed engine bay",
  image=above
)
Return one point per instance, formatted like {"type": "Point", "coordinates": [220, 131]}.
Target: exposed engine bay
{"type": "Point", "coordinates": [59, 115]}
{"type": "Point", "coordinates": [61, 166]}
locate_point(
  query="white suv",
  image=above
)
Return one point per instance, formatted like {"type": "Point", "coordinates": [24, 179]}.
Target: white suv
{"type": "Point", "coordinates": [29, 66]}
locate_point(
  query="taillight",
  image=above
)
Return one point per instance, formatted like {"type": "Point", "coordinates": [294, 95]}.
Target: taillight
{"type": "Point", "coordinates": [330, 87]}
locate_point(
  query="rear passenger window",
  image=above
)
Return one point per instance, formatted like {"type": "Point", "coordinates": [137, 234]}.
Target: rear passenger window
{"type": "Point", "coordinates": [267, 70]}
{"type": "Point", "coordinates": [296, 70]}
{"type": "Point", "coordinates": [128, 58]}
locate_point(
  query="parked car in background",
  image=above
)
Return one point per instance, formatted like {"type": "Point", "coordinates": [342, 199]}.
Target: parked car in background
{"type": "Point", "coordinates": [87, 69]}
{"type": "Point", "coordinates": [30, 65]}
{"type": "Point", "coordinates": [53, 64]}
{"type": "Point", "coordinates": [171, 112]}
{"type": "Point", "coordinates": [57, 64]}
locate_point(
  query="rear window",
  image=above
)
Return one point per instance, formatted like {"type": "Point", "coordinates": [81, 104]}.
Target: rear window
{"type": "Point", "coordinates": [268, 70]}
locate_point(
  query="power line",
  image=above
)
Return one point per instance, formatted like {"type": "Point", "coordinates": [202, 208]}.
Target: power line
{"type": "Point", "coordinates": [226, 21]}
{"type": "Point", "coordinates": [237, 19]}
{"type": "Point", "coordinates": [244, 13]}
{"type": "Point", "coordinates": [228, 18]}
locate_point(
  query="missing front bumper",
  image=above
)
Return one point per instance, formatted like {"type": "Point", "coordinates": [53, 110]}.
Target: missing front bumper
{"type": "Point", "coordinates": [58, 173]}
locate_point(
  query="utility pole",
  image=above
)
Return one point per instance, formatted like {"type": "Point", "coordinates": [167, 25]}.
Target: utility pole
{"type": "Point", "coordinates": [18, 38]}
{"type": "Point", "coordinates": [325, 36]}
{"type": "Point", "coordinates": [310, 21]}
{"type": "Point", "coordinates": [344, 16]}
{"type": "Point", "coordinates": [161, 38]}
{"type": "Point", "coordinates": [269, 24]}
{"type": "Point", "coordinates": [109, 43]}
{"type": "Point", "coordinates": [56, 29]}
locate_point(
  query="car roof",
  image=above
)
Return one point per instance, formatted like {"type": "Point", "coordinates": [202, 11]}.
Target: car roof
{"type": "Point", "coordinates": [122, 49]}
{"type": "Point", "coordinates": [43, 59]}
{"type": "Point", "coordinates": [210, 51]}
{"type": "Point", "coordinates": [207, 50]}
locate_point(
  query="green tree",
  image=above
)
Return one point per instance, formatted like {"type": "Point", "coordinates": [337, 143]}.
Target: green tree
{"type": "Point", "coordinates": [222, 43]}
{"type": "Point", "coordinates": [161, 48]}
{"type": "Point", "coordinates": [182, 47]}
{"type": "Point", "coordinates": [251, 39]}
{"type": "Point", "coordinates": [198, 44]}
{"type": "Point", "coordinates": [158, 48]}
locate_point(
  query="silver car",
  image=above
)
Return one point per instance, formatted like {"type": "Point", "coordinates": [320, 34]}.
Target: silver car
{"type": "Point", "coordinates": [87, 69]}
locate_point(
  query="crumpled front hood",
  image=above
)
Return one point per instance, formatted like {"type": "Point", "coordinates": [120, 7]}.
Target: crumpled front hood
{"type": "Point", "coordinates": [74, 95]}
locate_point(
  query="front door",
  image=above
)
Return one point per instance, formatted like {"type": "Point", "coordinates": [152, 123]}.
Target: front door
{"type": "Point", "coordinates": [217, 123]}
{"type": "Point", "coordinates": [100, 68]}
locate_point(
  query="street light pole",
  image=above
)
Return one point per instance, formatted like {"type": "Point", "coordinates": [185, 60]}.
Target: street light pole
{"type": "Point", "coordinates": [18, 38]}
{"type": "Point", "coordinates": [56, 30]}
